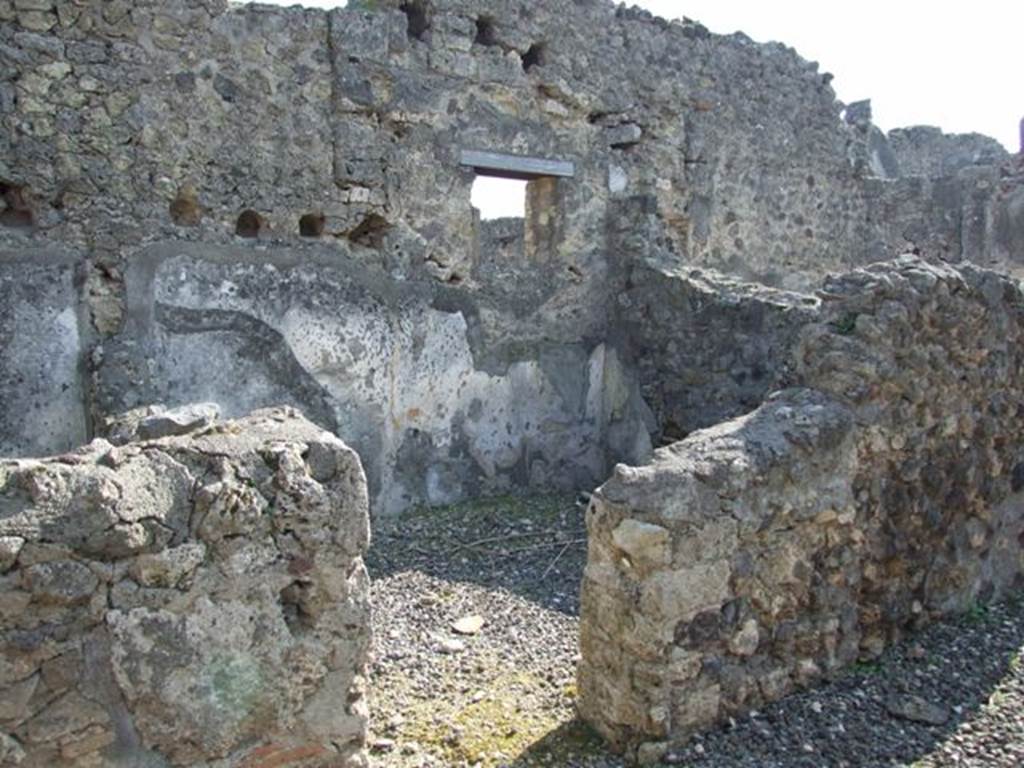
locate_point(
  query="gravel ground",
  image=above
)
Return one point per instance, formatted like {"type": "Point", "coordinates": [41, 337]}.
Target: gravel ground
{"type": "Point", "coordinates": [503, 693]}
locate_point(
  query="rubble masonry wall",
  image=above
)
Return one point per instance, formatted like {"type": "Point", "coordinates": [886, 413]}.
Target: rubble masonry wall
{"type": "Point", "coordinates": [761, 554]}
{"type": "Point", "coordinates": [280, 190]}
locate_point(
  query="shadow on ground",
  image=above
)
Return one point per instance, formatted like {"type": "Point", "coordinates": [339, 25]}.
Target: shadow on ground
{"type": "Point", "coordinates": [972, 668]}
{"type": "Point", "coordinates": [571, 741]}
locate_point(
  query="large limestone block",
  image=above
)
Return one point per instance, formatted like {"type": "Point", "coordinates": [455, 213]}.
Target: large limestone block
{"type": "Point", "coordinates": [195, 600]}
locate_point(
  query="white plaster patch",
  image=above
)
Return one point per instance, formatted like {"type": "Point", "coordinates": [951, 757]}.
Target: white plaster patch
{"type": "Point", "coordinates": [618, 179]}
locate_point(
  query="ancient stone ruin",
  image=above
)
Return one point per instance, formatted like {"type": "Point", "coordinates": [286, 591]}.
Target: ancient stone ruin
{"type": "Point", "coordinates": [184, 600]}
{"type": "Point", "coordinates": [766, 552]}
{"type": "Point", "coordinates": [261, 207]}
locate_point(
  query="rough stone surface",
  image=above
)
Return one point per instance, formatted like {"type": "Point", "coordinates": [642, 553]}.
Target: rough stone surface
{"type": "Point", "coordinates": [156, 421]}
{"type": "Point", "coordinates": [708, 347]}
{"type": "Point", "coordinates": [917, 710]}
{"type": "Point", "coordinates": [821, 527]}
{"type": "Point", "coordinates": [927, 151]}
{"type": "Point", "coordinates": [191, 601]}
{"type": "Point", "coordinates": [670, 648]}
{"type": "Point", "coordinates": [280, 191]}
{"type": "Point", "coordinates": [204, 202]}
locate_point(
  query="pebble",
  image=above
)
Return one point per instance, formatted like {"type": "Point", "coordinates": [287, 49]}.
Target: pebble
{"type": "Point", "coordinates": [449, 645]}
{"type": "Point", "coordinates": [468, 625]}
{"type": "Point", "coordinates": [917, 709]}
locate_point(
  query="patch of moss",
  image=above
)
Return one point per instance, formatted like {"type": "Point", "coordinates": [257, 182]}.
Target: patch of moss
{"type": "Point", "coordinates": [503, 726]}
{"type": "Point", "coordinates": [978, 613]}
{"type": "Point", "coordinates": [868, 668]}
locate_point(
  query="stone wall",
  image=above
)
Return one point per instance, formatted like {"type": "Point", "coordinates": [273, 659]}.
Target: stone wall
{"type": "Point", "coordinates": [281, 189]}
{"type": "Point", "coordinates": [117, 128]}
{"type": "Point", "coordinates": [929, 359]}
{"type": "Point", "coordinates": [943, 196]}
{"type": "Point", "coordinates": [707, 347]}
{"type": "Point", "coordinates": [186, 601]}
{"type": "Point", "coordinates": [761, 554]}
{"type": "Point", "coordinates": [439, 396]}
{"type": "Point", "coordinates": [1000, 218]}
{"type": "Point", "coordinates": [500, 242]}
{"type": "Point", "coordinates": [699, 593]}
{"type": "Point", "coordinates": [927, 151]}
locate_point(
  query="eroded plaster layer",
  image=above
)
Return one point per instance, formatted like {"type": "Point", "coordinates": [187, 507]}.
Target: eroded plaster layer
{"type": "Point", "coordinates": [41, 351]}
{"type": "Point", "coordinates": [421, 387]}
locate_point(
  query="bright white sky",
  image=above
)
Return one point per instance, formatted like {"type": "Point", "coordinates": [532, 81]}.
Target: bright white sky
{"type": "Point", "coordinates": [959, 66]}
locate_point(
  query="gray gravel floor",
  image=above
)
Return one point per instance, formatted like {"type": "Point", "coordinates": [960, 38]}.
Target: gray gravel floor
{"type": "Point", "coordinates": [505, 695]}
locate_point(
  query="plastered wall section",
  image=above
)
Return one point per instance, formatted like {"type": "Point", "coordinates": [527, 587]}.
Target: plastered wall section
{"type": "Point", "coordinates": [41, 352]}
{"type": "Point", "coordinates": [398, 370]}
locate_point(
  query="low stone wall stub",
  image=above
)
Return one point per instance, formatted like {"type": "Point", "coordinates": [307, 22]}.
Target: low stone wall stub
{"type": "Point", "coordinates": [198, 600]}
{"type": "Point", "coordinates": [719, 574]}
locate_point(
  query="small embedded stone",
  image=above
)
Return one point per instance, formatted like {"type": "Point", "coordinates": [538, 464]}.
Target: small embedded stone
{"type": "Point", "coordinates": [227, 88]}
{"type": "Point", "coordinates": [645, 544]}
{"type": "Point", "coordinates": [11, 752]}
{"type": "Point", "coordinates": [14, 699]}
{"type": "Point", "coordinates": [624, 135]}
{"type": "Point", "coordinates": [169, 568]}
{"type": "Point", "coordinates": [745, 642]}
{"type": "Point", "coordinates": [37, 21]}
{"type": "Point", "coordinates": [64, 582]}
{"type": "Point", "coordinates": [10, 547]}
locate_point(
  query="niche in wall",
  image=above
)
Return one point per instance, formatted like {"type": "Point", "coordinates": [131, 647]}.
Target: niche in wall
{"type": "Point", "coordinates": [15, 211]}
